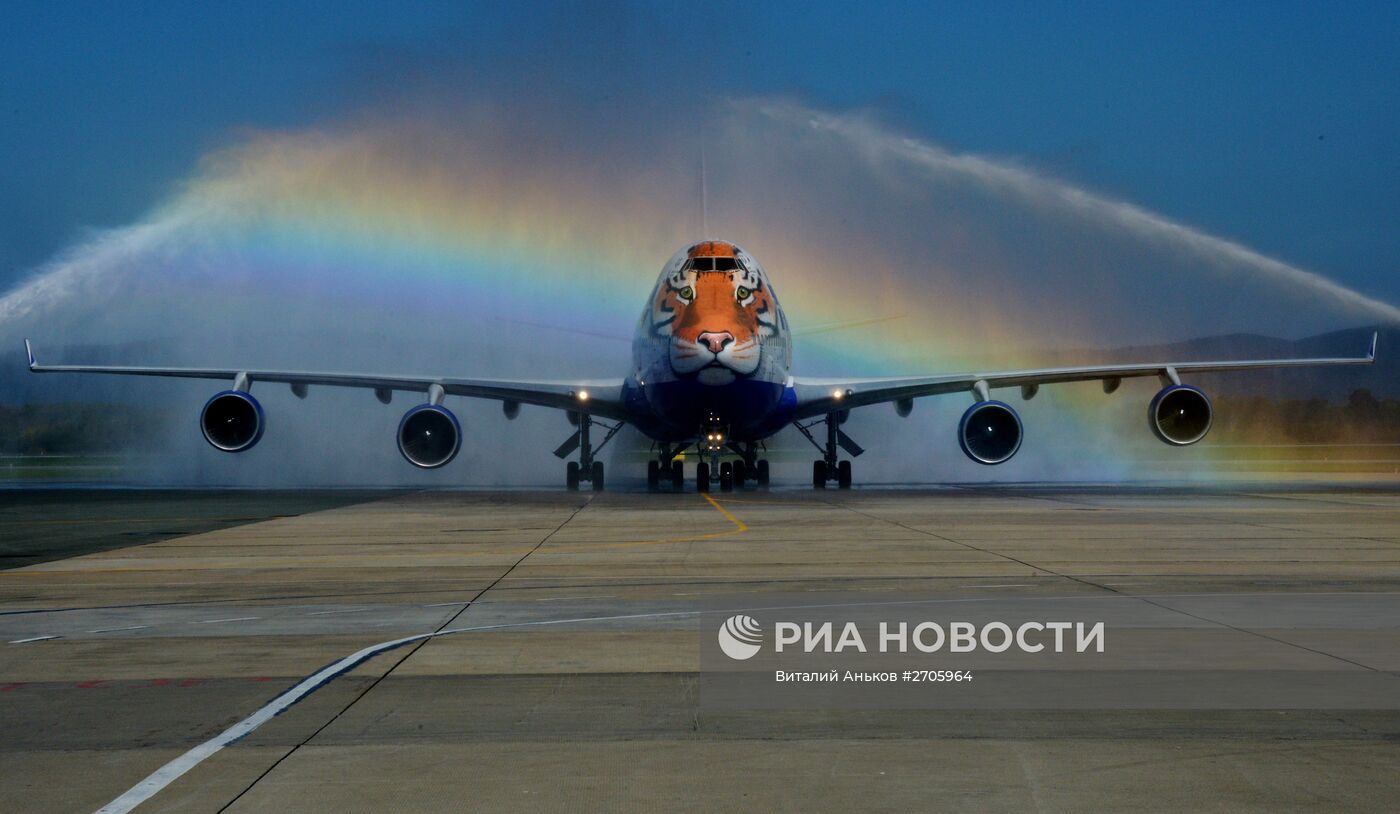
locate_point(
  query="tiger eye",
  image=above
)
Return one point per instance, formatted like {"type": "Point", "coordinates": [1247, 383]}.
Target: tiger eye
{"type": "Point", "coordinates": [743, 293]}
{"type": "Point", "coordinates": [687, 293]}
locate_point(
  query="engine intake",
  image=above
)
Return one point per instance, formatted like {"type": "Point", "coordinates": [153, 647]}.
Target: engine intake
{"type": "Point", "coordinates": [429, 436]}
{"type": "Point", "coordinates": [1180, 415]}
{"type": "Point", "coordinates": [989, 432]}
{"type": "Point", "coordinates": [232, 421]}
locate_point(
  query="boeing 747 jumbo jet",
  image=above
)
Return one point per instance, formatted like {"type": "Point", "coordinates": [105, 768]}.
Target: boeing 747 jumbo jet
{"type": "Point", "coordinates": [710, 371]}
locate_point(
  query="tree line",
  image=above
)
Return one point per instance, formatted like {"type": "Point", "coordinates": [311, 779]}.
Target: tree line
{"type": "Point", "coordinates": [74, 428]}
{"type": "Point", "coordinates": [1361, 419]}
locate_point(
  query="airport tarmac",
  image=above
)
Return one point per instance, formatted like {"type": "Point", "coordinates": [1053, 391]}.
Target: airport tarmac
{"type": "Point", "coordinates": [195, 610]}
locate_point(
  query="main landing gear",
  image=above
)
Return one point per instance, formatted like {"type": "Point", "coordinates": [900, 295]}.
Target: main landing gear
{"type": "Point", "coordinates": [586, 468]}
{"type": "Point", "coordinates": [726, 475]}
{"type": "Point", "coordinates": [828, 468]}
{"type": "Point", "coordinates": [663, 468]}
{"type": "Point", "coordinates": [731, 475]}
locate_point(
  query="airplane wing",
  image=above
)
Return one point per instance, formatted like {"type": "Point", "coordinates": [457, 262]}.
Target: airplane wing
{"type": "Point", "coordinates": [598, 398]}
{"type": "Point", "coordinates": [820, 396]}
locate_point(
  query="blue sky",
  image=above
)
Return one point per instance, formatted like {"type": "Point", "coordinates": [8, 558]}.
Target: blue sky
{"type": "Point", "coordinates": [1276, 124]}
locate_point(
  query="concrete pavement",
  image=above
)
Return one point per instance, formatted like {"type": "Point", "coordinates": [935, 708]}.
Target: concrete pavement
{"type": "Point", "coordinates": [114, 662]}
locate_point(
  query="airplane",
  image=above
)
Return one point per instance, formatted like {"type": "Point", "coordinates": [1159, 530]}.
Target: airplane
{"type": "Point", "coordinates": [711, 360]}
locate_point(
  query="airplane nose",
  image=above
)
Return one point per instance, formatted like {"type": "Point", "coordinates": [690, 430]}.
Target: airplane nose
{"type": "Point", "coordinates": [716, 340]}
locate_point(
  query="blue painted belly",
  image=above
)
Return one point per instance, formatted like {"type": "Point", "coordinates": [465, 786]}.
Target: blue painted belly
{"type": "Point", "coordinates": [674, 411]}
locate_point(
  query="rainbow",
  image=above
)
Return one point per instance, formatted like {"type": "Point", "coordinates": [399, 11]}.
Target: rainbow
{"type": "Point", "coordinates": [475, 226]}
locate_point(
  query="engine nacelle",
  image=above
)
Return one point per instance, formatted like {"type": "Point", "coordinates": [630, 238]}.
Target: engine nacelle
{"type": "Point", "coordinates": [232, 421]}
{"type": "Point", "coordinates": [429, 436]}
{"type": "Point", "coordinates": [1180, 415]}
{"type": "Point", "coordinates": [990, 432]}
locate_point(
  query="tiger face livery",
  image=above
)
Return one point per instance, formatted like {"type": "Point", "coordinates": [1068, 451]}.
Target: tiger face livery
{"type": "Point", "coordinates": [717, 317]}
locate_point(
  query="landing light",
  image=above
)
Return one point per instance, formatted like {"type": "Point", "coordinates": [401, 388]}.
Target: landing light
{"type": "Point", "coordinates": [838, 394]}
{"type": "Point", "coordinates": [583, 395]}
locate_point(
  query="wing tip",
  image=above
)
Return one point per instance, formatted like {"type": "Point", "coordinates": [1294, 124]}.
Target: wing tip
{"type": "Point", "coordinates": [29, 352]}
{"type": "Point", "coordinates": [1375, 338]}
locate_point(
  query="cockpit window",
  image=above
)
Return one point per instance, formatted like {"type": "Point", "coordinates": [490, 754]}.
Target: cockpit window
{"type": "Point", "coordinates": [712, 264]}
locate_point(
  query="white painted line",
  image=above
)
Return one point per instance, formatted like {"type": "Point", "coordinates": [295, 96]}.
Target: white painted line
{"type": "Point", "coordinates": [347, 610]}
{"type": "Point", "coordinates": [574, 598]}
{"type": "Point", "coordinates": [35, 639]}
{"type": "Point", "coordinates": [234, 619]}
{"type": "Point", "coordinates": [446, 604]}
{"type": "Point", "coordinates": [171, 771]}
{"type": "Point", "coordinates": [1009, 585]}
{"type": "Point", "coordinates": [115, 629]}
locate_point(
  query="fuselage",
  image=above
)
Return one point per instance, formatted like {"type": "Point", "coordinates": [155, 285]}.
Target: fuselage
{"type": "Point", "coordinates": [712, 350]}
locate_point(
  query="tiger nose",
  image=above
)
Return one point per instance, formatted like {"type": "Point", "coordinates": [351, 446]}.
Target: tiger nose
{"type": "Point", "coordinates": [716, 340]}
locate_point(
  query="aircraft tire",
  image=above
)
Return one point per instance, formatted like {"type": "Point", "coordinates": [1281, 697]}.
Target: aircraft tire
{"type": "Point", "coordinates": [597, 478]}
{"type": "Point", "coordinates": [818, 474]}
{"type": "Point", "coordinates": [571, 476]}
{"type": "Point", "coordinates": [726, 477]}
{"type": "Point", "coordinates": [653, 476]}
{"type": "Point", "coordinates": [843, 475]}
{"type": "Point", "coordinates": [677, 475]}
{"type": "Point", "coordinates": [762, 476]}
{"type": "Point", "coordinates": [702, 477]}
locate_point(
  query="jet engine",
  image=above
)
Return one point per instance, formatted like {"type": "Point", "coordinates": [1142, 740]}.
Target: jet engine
{"type": "Point", "coordinates": [429, 436]}
{"type": "Point", "coordinates": [1180, 415]}
{"type": "Point", "coordinates": [989, 432]}
{"type": "Point", "coordinates": [232, 421]}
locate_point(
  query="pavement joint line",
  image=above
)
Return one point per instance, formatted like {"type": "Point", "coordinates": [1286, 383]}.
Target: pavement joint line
{"type": "Point", "coordinates": [346, 610]}
{"type": "Point", "coordinates": [1172, 517]}
{"type": "Point", "coordinates": [214, 602]}
{"type": "Point", "coordinates": [1317, 651]}
{"type": "Point", "coordinates": [972, 547]}
{"type": "Point", "coordinates": [233, 619]}
{"type": "Point", "coordinates": [417, 641]}
{"type": "Point", "coordinates": [115, 629]}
